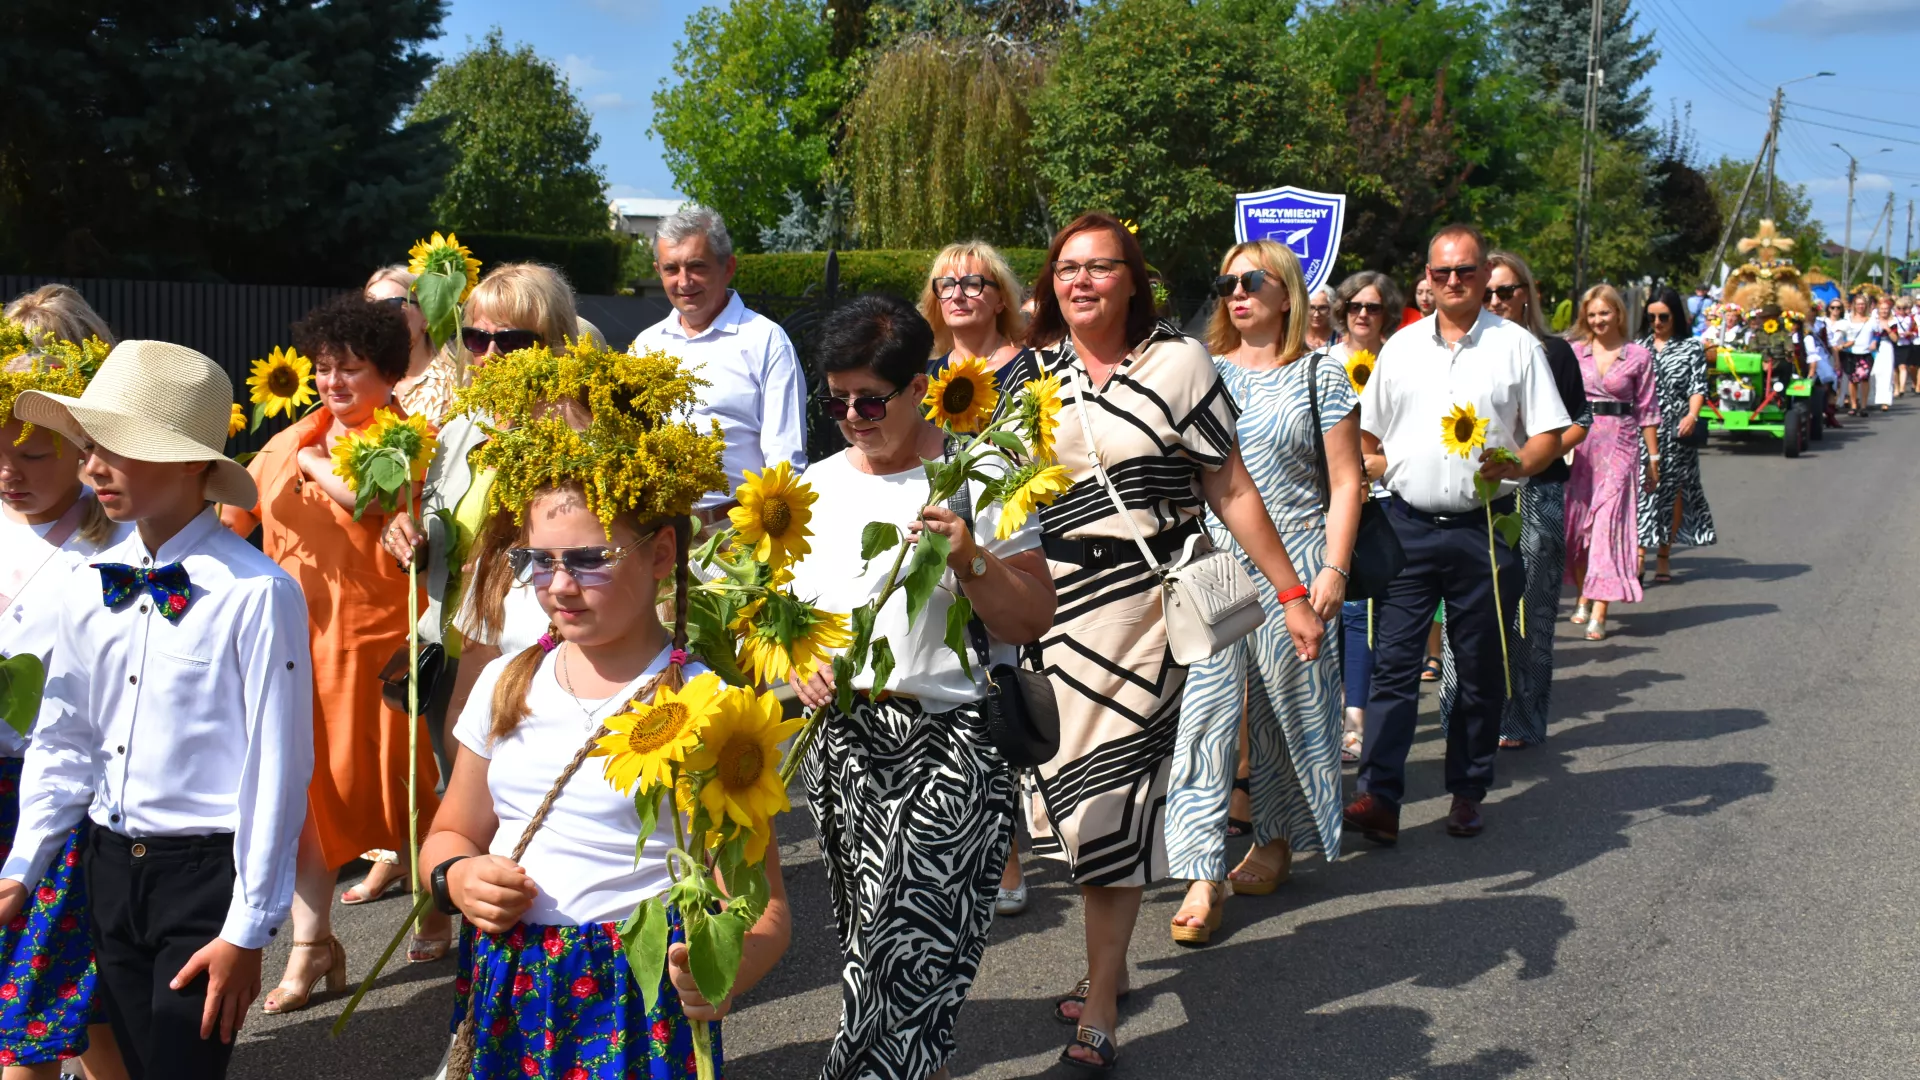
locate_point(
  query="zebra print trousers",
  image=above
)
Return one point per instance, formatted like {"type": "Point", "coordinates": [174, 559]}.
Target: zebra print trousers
{"type": "Point", "coordinates": [1543, 556]}
{"type": "Point", "coordinates": [915, 812]}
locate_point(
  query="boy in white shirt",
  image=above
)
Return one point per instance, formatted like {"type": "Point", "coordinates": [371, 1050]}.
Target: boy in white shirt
{"type": "Point", "coordinates": [178, 715]}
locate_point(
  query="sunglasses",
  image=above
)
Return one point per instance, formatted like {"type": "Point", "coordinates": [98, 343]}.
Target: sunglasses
{"type": "Point", "coordinates": [867, 407]}
{"type": "Point", "coordinates": [1442, 273]}
{"type": "Point", "coordinates": [969, 286]}
{"type": "Point", "coordinates": [1364, 307]}
{"type": "Point", "coordinates": [1662, 316]}
{"type": "Point", "coordinates": [1250, 282]}
{"type": "Point", "coordinates": [394, 301]}
{"type": "Point", "coordinates": [1504, 292]}
{"type": "Point", "coordinates": [479, 341]}
{"type": "Point", "coordinates": [589, 567]}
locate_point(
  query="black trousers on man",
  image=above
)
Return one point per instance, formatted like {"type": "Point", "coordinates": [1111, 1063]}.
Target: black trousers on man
{"type": "Point", "coordinates": [1446, 560]}
{"type": "Point", "coordinates": [155, 903]}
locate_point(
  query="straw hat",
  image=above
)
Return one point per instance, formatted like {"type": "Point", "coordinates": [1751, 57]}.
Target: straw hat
{"type": "Point", "coordinates": [152, 401]}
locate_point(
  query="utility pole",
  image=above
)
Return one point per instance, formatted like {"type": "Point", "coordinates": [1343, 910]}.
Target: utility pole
{"type": "Point", "coordinates": [1846, 250]}
{"type": "Point", "coordinates": [1906, 254]}
{"type": "Point", "coordinates": [1888, 250]}
{"type": "Point", "coordinates": [1590, 123]}
{"type": "Point", "coordinates": [1773, 151]}
{"type": "Point", "coordinates": [1740, 207]}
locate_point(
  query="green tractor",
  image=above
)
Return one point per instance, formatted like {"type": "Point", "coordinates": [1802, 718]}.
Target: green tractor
{"type": "Point", "coordinates": [1752, 393]}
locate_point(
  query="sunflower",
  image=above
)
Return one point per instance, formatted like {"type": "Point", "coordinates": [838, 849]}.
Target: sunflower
{"type": "Point", "coordinates": [740, 748]}
{"type": "Point", "coordinates": [648, 738]}
{"type": "Point", "coordinates": [771, 520]}
{"type": "Point", "coordinates": [1034, 485]}
{"type": "Point", "coordinates": [962, 396]}
{"type": "Point", "coordinates": [1360, 369]}
{"type": "Point", "coordinates": [236, 421]}
{"type": "Point", "coordinates": [282, 382]}
{"type": "Point", "coordinates": [781, 635]}
{"type": "Point", "coordinates": [1771, 326]}
{"type": "Point", "coordinates": [412, 436]}
{"type": "Point", "coordinates": [1462, 431]}
{"type": "Point", "coordinates": [1040, 416]}
{"type": "Point", "coordinates": [445, 252]}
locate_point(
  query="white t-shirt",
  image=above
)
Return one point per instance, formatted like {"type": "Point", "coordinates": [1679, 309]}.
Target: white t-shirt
{"type": "Point", "coordinates": [523, 622]}
{"type": "Point", "coordinates": [831, 577]}
{"type": "Point", "coordinates": [28, 623]}
{"type": "Point", "coordinates": [582, 857]}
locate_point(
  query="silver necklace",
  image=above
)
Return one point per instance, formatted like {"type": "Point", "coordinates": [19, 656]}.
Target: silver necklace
{"type": "Point", "coordinates": [566, 683]}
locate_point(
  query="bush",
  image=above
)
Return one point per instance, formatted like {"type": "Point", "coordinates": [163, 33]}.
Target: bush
{"type": "Point", "coordinates": [903, 273]}
{"type": "Point", "coordinates": [594, 265]}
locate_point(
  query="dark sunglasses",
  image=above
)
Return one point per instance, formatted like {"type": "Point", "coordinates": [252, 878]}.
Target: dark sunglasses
{"type": "Point", "coordinates": [1442, 273]}
{"type": "Point", "coordinates": [477, 341]}
{"type": "Point", "coordinates": [1661, 316]}
{"type": "Point", "coordinates": [1504, 292]}
{"type": "Point", "coordinates": [867, 407]}
{"type": "Point", "coordinates": [394, 301]}
{"type": "Point", "coordinates": [589, 567]}
{"type": "Point", "coordinates": [1365, 307]}
{"type": "Point", "coordinates": [1251, 281]}
{"type": "Point", "coordinates": [969, 286]}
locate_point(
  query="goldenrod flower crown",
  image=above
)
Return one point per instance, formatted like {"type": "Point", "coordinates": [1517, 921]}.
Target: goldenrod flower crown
{"type": "Point", "coordinates": [57, 367]}
{"type": "Point", "coordinates": [640, 452]}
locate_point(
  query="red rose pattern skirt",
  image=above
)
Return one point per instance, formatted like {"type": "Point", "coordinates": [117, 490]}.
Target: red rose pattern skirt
{"type": "Point", "coordinates": [47, 992]}
{"type": "Point", "coordinates": [560, 1003]}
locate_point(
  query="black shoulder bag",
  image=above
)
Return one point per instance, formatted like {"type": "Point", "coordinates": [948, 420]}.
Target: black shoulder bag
{"type": "Point", "coordinates": [1377, 554]}
{"type": "Point", "coordinates": [1023, 718]}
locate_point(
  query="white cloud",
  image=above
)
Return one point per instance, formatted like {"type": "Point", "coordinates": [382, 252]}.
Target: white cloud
{"type": "Point", "coordinates": [1833, 18]}
{"type": "Point", "coordinates": [582, 72]}
{"type": "Point", "coordinates": [1837, 185]}
{"type": "Point", "coordinates": [608, 102]}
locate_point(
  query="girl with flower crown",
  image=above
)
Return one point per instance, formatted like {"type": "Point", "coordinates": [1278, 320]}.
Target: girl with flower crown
{"type": "Point", "coordinates": [49, 524]}
{"type": "Point", "coordinates": [540, 861]}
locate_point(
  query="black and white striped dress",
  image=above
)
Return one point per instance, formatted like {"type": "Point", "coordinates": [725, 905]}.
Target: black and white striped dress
{"type": "Point", "coordinates": [1679, 372]}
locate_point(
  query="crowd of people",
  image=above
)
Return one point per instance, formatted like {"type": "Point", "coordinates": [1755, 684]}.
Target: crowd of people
{"type": "Point", "coordinates": [220, 736]}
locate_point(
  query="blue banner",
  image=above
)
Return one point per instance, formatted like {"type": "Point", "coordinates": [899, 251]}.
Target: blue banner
{"type": "Point", "coordinates": [1307, 222]}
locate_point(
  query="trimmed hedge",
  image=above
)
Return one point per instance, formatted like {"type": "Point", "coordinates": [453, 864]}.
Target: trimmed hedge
{"type": "Point", "coordinates": [594, 265]}
{"type": "Point", "coordinates": [903, 273]}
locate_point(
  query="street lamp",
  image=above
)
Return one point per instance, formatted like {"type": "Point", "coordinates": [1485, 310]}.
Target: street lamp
{"type": "Point", "coordinates": [1846, 251]}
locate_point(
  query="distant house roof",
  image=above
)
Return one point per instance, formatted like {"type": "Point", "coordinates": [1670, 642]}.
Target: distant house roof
{"type": "Point", "coordinates": [653, 208]}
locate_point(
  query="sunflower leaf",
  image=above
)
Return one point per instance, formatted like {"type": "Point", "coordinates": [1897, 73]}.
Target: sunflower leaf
{"type": "Point", "coordinates": [439, 296]}
{"type": "Point", "coordinates": [647, 803]}
{"type": "Point", "coordinates": [843, 673]}
{"type": "Point", "coordinates": [1486, 489]}
{"type": "Point", "coordinates": [22, 680]}
{"type": "Point", "coordinates": [386, 471]}
{"type": "Point", "coordinates": [709, 614]}
{"type": "Point", "coordinates": [861, 622]}
{"type": "Point", "coordinates": [958, 616]}
{"type": "Point", "coordinates": [259, 416]}
{"type": "Point", "coordinates": [713, 952]}
{"type": "Point", "coordinates": [1008, 441]}
{"type": "Point", "coordinates": [1508, 526]}
{"type": "Point", "coordinates": [647, 948]}
{"type": "Point", "coordinates": [882, 666]}
{"type": "Point", "coordinates": [924, 571]}
{"type": "Point", "coordinates": [877, 537]}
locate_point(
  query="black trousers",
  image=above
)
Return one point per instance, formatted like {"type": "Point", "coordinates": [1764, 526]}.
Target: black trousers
{"type": "Point", "coordinates": [1446, 560]}
{"type": "Point", "coordinates": [155, 903]}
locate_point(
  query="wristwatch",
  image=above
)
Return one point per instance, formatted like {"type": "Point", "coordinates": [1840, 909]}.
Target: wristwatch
{"type": "Point", "coordinates": [437, 885]}
{"type": "Point", "coordinates": [978, 567]}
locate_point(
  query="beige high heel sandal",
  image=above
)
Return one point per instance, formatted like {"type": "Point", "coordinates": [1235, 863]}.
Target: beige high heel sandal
{"type": "Point", "coordinates": [1268, 878]}
{"type": "Point", "coordinates": [1216, 910]}
{"type": "Point", "coordinates": [282, 1000]}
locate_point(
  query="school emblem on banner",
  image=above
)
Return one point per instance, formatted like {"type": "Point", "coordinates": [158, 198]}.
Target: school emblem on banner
{"type": "Point", "coordinates": [1308, 222]}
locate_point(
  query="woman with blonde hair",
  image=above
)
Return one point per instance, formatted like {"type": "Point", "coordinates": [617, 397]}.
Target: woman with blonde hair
{"type": "Point", "coordinates": [61, 313]}
{"type": "Point", "coordinates": [1295, 404]}
{"type": "Point", "coordinates": [517, 306]}
{"type": "Point", "coordinates": [1604, 485]}
{"type": "Point", "coordinates": [433, 375]}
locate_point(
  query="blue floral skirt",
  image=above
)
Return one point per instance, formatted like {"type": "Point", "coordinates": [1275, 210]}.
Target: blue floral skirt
{"type": "Point", "coordinates": [560, 1003]}
{"type": "Point", "coordinates": [47, 987]}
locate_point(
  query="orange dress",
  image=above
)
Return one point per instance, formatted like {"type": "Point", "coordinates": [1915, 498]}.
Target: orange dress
{"type": "Point", "coordinates": [357, 614]}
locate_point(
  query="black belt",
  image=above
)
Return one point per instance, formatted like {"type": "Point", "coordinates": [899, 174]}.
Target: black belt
{"type": "Point", "coordinates": [1101, 552]}
{"type": "Point", "coordinates": [143, 846]}
{"type": "Point", "coordinates": [1611, 408]}
{"type": "Point", "coordinates": [1451, 520]}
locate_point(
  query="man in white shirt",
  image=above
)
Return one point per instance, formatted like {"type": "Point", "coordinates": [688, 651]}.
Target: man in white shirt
{"type": "Point", "coordinates": [755, 389]}
{"type": "Point", "coordinates": [1461, 355]}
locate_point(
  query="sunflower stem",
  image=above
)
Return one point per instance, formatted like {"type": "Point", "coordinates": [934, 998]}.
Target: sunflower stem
{"type": "Point", "coordinates": [413, 717]}
{"type": "Point", "coordinates": [1499, 610]}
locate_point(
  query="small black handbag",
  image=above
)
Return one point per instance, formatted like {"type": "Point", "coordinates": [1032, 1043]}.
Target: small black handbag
{"type": "Point", "coordinates": [1377, 555]}
{"type": "Point", "coordinates": [393, 677]}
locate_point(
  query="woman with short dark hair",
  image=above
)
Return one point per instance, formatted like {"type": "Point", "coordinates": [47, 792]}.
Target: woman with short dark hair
{"type": "Point", "coordinates": [913, 803]}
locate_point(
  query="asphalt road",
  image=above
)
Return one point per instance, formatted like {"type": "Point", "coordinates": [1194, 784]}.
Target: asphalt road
{"type": "Point", "coordinates": [1666, 889]}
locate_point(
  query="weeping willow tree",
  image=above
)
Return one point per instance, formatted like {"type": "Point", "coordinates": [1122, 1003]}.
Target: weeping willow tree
{"type": "Point", "coordinates": [936, 144]}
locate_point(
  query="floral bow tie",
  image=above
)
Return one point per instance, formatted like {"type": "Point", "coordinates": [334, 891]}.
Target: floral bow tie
{"type": "Point", "coordinates": [168, 585]}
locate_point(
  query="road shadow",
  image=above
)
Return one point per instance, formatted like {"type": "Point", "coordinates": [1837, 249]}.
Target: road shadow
{"type": "Point", "coordinates": [1644, 623]}
{"type": "Point", "coordinates": [1726, 568]}
{"type": "Point", "coordinates": [385, 1041]}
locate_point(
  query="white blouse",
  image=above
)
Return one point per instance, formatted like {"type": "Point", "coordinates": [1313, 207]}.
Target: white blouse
{"type": "Point", "coordinates": [582, 859]}
{"type": "Point", "coordinates": [29, 621]}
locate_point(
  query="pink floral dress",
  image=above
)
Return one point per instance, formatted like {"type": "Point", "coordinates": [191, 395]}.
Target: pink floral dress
{"type": "Point", "coordinates": [1603, 494]}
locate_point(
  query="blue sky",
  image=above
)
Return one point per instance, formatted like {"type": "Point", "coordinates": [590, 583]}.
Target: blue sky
{"type": "Point", "coordinates": [1721, 56]}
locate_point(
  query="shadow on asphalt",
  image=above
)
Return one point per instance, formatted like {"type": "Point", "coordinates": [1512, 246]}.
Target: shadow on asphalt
{"type": "Point", "coordinates": [1722, 568]}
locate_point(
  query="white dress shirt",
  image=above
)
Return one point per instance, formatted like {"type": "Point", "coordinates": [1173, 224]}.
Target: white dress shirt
{"type": "Point", "coordinates": [582, 859]}
{"type": "Point", "coordinates": [158, 730]}
{"type": "Point", "coordinates": [30, 622]}
{"type": "Point", "coordinates": [1498, 368]}
{"type": "Point", "coordinates": [754, 389]}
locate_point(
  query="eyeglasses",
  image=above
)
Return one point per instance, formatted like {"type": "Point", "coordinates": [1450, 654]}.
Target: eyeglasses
{"type": "Point", "coordinates": [1097, 269]}
{"type": "Point", "coordinates": [589, 567]}
{"type": "Point", "coordinates": [1504, 292]}
{"type": "Point", "coordinates": [478, 341]}
{"type": "Point", "coordinates": [866, 407]}
{"type": "Point", "coordinates": [1250, 282]}
{"type": "Point", "coordinates": [1661, 316]}
{"type": "Point", "coordinates": [1319, 309]}
{"type": "Point", "coordinates": [1442, 273]}
{"type": "Point", "coordinates": [394, 301]}
{"type": "Point", "coordinates": [1364, 307]}
{"type": "Point", "coordinates": [969, 286]}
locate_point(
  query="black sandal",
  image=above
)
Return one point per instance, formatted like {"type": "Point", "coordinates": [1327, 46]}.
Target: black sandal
{"type": "Point", "coordinates": [1097, 1041]}
{"type": "Point", "coordinates": [1431, 670]}
{"type": "Point", "coordinates": [1080, 995]}
{"type": "Point", "coordinates": [1240, 826]}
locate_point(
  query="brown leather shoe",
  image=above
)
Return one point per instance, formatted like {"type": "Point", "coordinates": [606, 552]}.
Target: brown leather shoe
{"type": "Point", "coordinates": [1377, 820]}
{"type": "Point", "coordinates": [1464, 818]}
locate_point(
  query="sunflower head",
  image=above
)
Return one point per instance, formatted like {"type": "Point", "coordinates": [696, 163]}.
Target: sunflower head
{"type": "Point", "coordinates": [1771, 326]}
{"type": "Point", "coordinates": [412, 436]}
{"type": "Point", "coordinates": [1040, 416]}
{"type": "Point", "coordinates": [646, 741]}
{"type": "Point", "coordinates": [445, 255]}
{"type": "Point", "coordinates": [236, 421]}
{"type": "Point", "coordinates": [738, 766]}
{"type": "Point", "coordinates": [1462, 431]}
{"type": "Point", "coordinates": [1360, 369]}
{"type": "Point", "coordinates": [781, 635]}
{"type": "Point", "coordinates": [962, 396]}
{"type": "Point", "coordinates": [282, 382]}
{"type": "Point", "coordinates": [771, 521]}
{"type": "Point", "coordinates": [1031, 485]}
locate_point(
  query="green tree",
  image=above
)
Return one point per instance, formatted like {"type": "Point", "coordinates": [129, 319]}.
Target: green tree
{"type": "Point", "coordinates": [523, 145]}
{"type": "Point", "coordinates": [749, 117]}
{"type": "Point", "coordinates": [205, 140]}
{"type": "Point", "coordinates": [1161, 110]}
{"type": "Point", "coordinates": [1548, 39]}
{"type": "Point", "coordinates": [1686, 212]}
{"type": "Point", "coordinates": [1792, 214]}
{"type": "Point", "coordinates": [1539, 222]}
